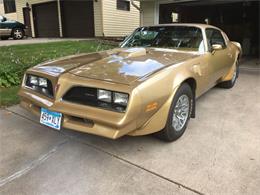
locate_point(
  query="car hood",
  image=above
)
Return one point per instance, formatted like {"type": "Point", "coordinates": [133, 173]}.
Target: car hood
{"type": "Point", "coordinates": [122, 65]}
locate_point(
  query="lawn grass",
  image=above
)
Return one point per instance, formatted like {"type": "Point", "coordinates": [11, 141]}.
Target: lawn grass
{"type": "Point", "coordinates": [8, 96]}
{"type": "Point", "coordinates": [14, 60]}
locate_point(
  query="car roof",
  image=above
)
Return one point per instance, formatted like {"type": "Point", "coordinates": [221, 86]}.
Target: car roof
{"type": "Point", "coordinates": [202, 26]}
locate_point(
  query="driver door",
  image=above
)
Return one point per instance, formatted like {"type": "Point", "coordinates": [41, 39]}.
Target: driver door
{"type": "Point", "coordinates": [218, 59]}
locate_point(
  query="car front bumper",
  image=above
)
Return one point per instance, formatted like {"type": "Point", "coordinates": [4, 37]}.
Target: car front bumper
{"type": "Point", "coordinates": [80, 118]}
{"type": "Point", "coordinates": [136, 120]}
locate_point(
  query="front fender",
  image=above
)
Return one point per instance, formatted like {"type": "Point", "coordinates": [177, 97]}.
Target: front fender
{"type": "Point", "coordinates": [238, 45]}
{"type": "Point", "coordinates": [158, 120]}
{"type": "Point", "coordinates": [238, 54]}
{"type": "Point", "coordinates": [159, 90]}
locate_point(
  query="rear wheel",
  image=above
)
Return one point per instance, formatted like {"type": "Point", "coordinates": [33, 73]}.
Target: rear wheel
{"type": "Point", "coordinates": [179, 114]}
{"type": "Point", "coordinates": [18, 33]}
{"type": "Point", "coordinates": [229, 84]}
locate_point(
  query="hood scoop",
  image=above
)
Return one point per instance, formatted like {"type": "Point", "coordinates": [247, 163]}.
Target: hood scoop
{"type": "Point", "coordinates": [132, 52]}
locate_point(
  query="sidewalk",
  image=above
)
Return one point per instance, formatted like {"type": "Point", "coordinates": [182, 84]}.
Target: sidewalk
{"type": "Point", "coordinates": [35, 40]}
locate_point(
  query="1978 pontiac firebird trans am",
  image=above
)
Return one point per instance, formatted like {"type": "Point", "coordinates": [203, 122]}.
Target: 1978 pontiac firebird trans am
{"type": "Point", "coordinates": [148, 85]}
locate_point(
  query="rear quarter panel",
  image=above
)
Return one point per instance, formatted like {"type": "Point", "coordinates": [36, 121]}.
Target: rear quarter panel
{"type": "Point", "coordinates": [236, 52]}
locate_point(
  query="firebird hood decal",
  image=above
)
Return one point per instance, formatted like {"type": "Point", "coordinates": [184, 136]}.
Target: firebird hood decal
{"type": "Point", "coordinates": [53, 70]}
{"type": "Point", "coordinates": [122, 65]}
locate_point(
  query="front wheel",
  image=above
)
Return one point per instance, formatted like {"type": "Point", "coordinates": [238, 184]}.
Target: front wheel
{"type": "Point", "coordinates": [17, 33]}
{"type": "Point", "coordinates": [179, 114]}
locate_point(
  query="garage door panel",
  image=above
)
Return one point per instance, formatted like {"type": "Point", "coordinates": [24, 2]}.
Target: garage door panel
{"type": "Point", "coordinates": [77, 18]}
{"type": "Point", "coordinates": [46, 20]}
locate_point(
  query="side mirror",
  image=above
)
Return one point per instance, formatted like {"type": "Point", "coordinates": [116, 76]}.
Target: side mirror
{"type": "Point", "coordinates": [216, 47]}
{"type": "Point", "coordinates": [4, 19]}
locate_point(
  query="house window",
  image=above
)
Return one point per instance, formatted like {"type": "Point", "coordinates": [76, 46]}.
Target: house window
{"type": "Point", "coordinates": [175, 17]}
{"type": "Point", "coordinates": [9, 6]}
{"type": "Point", "coordinates": [123, 5]}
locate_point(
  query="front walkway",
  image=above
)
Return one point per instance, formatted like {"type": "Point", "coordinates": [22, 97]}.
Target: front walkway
{"type": "Point", "coordinates": [34, 40]}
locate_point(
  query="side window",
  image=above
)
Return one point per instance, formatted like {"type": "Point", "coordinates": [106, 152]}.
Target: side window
{"type": "Point", "coordinates": [215, 37]}
{"type": "Point", "coordinates": [148, 35]}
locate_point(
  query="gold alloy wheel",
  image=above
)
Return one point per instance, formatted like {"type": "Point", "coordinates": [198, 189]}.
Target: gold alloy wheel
{"type": "Point", "coordinates": [181, 112]}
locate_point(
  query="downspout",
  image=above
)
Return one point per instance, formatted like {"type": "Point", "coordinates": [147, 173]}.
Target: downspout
{"type": "Point", "coordinates": [102, 18]}
{"type": "Point", "coordinates": [139, 9]}
{"type": "Point", "coordinates": [136, 6]}
{"type": "Point", "coordinates": [59, 18]}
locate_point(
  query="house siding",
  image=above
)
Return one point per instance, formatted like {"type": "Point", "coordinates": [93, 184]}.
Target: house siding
{"type": "Point", "coordinates": [148, 13]}
{"type": "Point", "coordinates": [98, 18]}
{"type": "Point", "coordinates": [118, 23]}
{"type": "Point", "coordinates": [108, 21]}
{"type": "Point", "coordinates": [11, 16]}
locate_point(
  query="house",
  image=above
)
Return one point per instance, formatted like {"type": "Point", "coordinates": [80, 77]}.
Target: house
{"type": "Point", "coordinates": [8, 9]}
{"type": "Point", "coordinates": [78, 18]}
{"type": "Point", "coordinates": [238, 18]}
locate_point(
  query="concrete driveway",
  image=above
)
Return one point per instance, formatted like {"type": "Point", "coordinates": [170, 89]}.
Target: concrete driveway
{"type": "Point", "coordinates": [34, 40]}
{"type": "Point", "coordinates": [218, 154]}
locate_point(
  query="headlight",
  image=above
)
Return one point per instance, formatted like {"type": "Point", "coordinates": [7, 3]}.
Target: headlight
{"type": "Point", "coordinates": [33, 80]}
{"type": "Point", "coordinates": [39, 84]}
{"type": "Point", "coordinates": [120, 98]}
{"type": "Point", "coordinates": [104, 95]}
{"type": "Point", "coordinates": [43, 82]}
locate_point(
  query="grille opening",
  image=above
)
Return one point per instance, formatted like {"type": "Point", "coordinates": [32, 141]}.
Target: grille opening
{"type": "Point", "coordinates": [87, 122]}
{"type": "Point", "coordinates": [88, 96]}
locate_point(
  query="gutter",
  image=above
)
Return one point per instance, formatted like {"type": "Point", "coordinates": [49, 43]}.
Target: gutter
{"type": "Point", "coordinates": [136, 6]}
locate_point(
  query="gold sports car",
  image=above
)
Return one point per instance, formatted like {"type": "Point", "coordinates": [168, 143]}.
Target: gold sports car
{"type": "Point", "coordinates": [148, 85]}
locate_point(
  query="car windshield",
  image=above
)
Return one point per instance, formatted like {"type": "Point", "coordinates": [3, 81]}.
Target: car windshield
{"type": "Point", "coordinates": [173, 37]}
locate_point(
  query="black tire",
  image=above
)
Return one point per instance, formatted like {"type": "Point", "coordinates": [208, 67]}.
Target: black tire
{"type": "Point", "coordinates": [169, 133]}
{"type": "Point", "coordinates": [4, 38]}
{"type": "Point", "coordinates": [232, 82]}
{"type": "Point", "coordinates": [17, 33]}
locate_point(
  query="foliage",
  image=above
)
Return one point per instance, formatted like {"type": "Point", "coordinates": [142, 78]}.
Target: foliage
{"type": "Point", "coordinates": [14, 60]}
